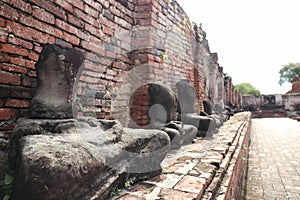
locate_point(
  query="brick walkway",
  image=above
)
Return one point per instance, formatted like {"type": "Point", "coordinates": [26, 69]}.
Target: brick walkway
{"type": "Point", "coordinates": [274, 160]}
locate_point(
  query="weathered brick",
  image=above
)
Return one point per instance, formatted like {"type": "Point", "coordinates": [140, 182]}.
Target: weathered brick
{"type": "Point", "coordinates": [76, 3]}
{"type": "Point", "coordinates": [43, 15]}
{"type": "Point", "coordinates": [94, 4]}
{"type": "Point", "coordinates": [55, 10]}
{"type": "Point", "coordinates": [28, 81]}
{"type": "Point", "coordinates": [91, 11]}
{"type": "Point", "coordinates": [108, 15]}
{"type": "Point", "coordinates": [44, 27]}
{"type": "Point", "coordinates": [75, 21]}
{"type": "Point", "coordinates": [37, 48]}
{"type": "Point", "coordinates": [94, 67]}
{"type": "Point", "coordinates": [31, 73]}
{"type": "Point", "coordinates": [21, 5]}
{"type": "Point", "coordinates": [71, 38]}
{"type": "Point", "coordinates": [85, 17]}
{"type": "Point", "coordinates": [64, 4]}
{"type": "Point", "coordinates": [12, 68]}
{"type": "Point", "coordinates": [88, 79]}
{"type": "Point", "coordinates": [22, 92]}
{"type": "Point", "coordinates": [17, 61]}
{"type": "Point", "coordinates": [120, 65]}
{"type": "Point", "coordinates": [4, 91]}
{"type": "Point", "coordinates": [7, 114]}
{"type": "Point", "coordinates": [15, 103]}
{"type": "Point", "coordinates": [144, 8]}
{"type": "Point", "coordinates": [30, 64]}
{"type": "Point", "coordinates": [65, 26]}
{"type": "Point", "coordinates": [33, 56]}
{"type": "Point", "coordinates": [8, 12]}
{"type": "Point", "coordinates": [93, 57]}
{"type": "Point", "coordinates": [93, 47]}
{"type": "Point", "coordinates": [2, 22]}
{"type": "Point", "coordinates": [28, 33]}
{"type": "Point", "coordinates": [9, 78]}
{"type": "Point", "coordinates": [17, 41]}
{"type": "Point", "coordinates": [13, 49]}
{"type": "Point", "coordinates": [108, 31]}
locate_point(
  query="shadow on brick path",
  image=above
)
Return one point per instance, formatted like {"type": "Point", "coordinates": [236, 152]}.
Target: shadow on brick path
{"type": "Point", "coordinates": [274, 159]}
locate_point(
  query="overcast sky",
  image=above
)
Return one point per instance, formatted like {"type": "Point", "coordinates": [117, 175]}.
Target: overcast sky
{"type": "Point", "coordinates": [253, 38]}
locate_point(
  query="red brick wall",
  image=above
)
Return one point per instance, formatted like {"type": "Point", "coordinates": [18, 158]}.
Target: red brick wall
{"type": "Point", "coordinates": [295, 86]}
{"type": "Point", "coordinates": [116, 36]}
{"type": "Point", "coordinates": [83, 24]}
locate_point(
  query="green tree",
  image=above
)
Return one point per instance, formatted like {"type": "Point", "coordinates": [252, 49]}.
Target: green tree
{"type": "Point", "coordinates": [289, 72]}
{"type": "Point", "coordinates": [247, 88]}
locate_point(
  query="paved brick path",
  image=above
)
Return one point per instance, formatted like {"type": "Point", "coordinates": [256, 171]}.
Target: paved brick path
{"type": "Point", "coordinates": [274, 160]}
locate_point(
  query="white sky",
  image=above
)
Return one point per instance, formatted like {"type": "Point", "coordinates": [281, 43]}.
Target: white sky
{"type": "Point", "coordinates": [253, 38]}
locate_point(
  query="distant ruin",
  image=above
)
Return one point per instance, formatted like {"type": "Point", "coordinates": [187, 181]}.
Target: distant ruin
{"type": "Point", "coordinates": [277, 105]}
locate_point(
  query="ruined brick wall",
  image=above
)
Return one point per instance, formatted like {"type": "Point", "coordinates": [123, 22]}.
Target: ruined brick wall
{"type": "Point", "coordinates": [87, 25]}
{"type": "Point", "coordinates": [126, 44]}
{"type": "Point", "coordinates": [229, 91]}
{"type": "Point", "coordinates": [115, 37]}
{"type": "Point", "coordinates": [292, 104]}
{"type": "Point", "coordinates": [295, 86]}
{"type": "Point", "coordinates": [266, 105]}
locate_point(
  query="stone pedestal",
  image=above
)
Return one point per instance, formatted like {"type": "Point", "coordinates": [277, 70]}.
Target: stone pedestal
{"type": "Point", "coordinates": [58, 157]}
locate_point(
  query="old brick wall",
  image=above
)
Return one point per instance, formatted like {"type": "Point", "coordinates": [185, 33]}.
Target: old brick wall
{"type": "Point", "coordinates": [115, 36]}
{"type": "Point", "coordinates": [86, 25]}
{"type": "Point", "coordinates": [126, 44]}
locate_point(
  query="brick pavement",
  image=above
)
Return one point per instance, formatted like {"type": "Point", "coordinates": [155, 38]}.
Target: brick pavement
{"type": "Point", "coordinates": [196, 170]}
{"type": "Point", "coordinates": [274, 159]}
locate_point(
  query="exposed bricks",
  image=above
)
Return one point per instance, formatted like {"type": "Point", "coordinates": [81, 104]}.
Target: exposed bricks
{"type": "Point", "coordinates": [94, 4]}
{"type": "Point", "coordinates": [3, 36]}
{"type": "Point", "coordinates": [114, 35]}
{"type": "Point", "coordinates": [65, 26]}
{"type": "Point", "coordinates": [33, 56]}
{"type": "Point", "coordinates": [43, 15]}
{"type": "Point", "coordinates": [17, 41]}
{"type": "Point", "coordinates": [7, 114]}
{"type": "Point", "coordinates": [75, 21]}
{"type": "Point", "coordinates": [65, 5]}
{"type": "Point", "coordinates": [34, 23]}
{"type": "Point", "coordinates": [9, 78]}
{"type": "Point", "coordinates": [86, 17]}
{"type": "Point", "coordinates": [29, 82]}
{"type": "Point", "coordinates": [21, 5]}
{"type": "Point", "coordinates": [28, 33]}
{"type": "Point", "coordinates": [13, 49]}
{"type": "Point", "coordinates": [94, 67]}
{"type": "Point", "coordinates": [22, 92]}
{"type": "Point", "coordinates": [4, 91]}
{"type": "Point", "coordinates": [93, 47]}
{"type": "Point", "coordinates": [31, 73]}
{"type": "Point", "coordinates": [91, 11]}
{"type": "Point", "coordinates": [13, 68]}
{"type": "Point", "coordinates": [57, 11]}
{"type": "Point", "coordinates": [8, 12]}
{"type": "Point", "coordinates": [71, 38]}
{"type": "Point", "coordinates": [2, 22]}
{"type": "Point", "coordinates": [76, 3]}
{"type": "Point", "coordinates": [17, 103]}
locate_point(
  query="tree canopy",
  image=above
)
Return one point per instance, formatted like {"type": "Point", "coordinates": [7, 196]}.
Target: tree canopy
{"type": "Point", "coordinates": [247, 88]}
{"type": "Point", "coordinates": [289, 72]}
